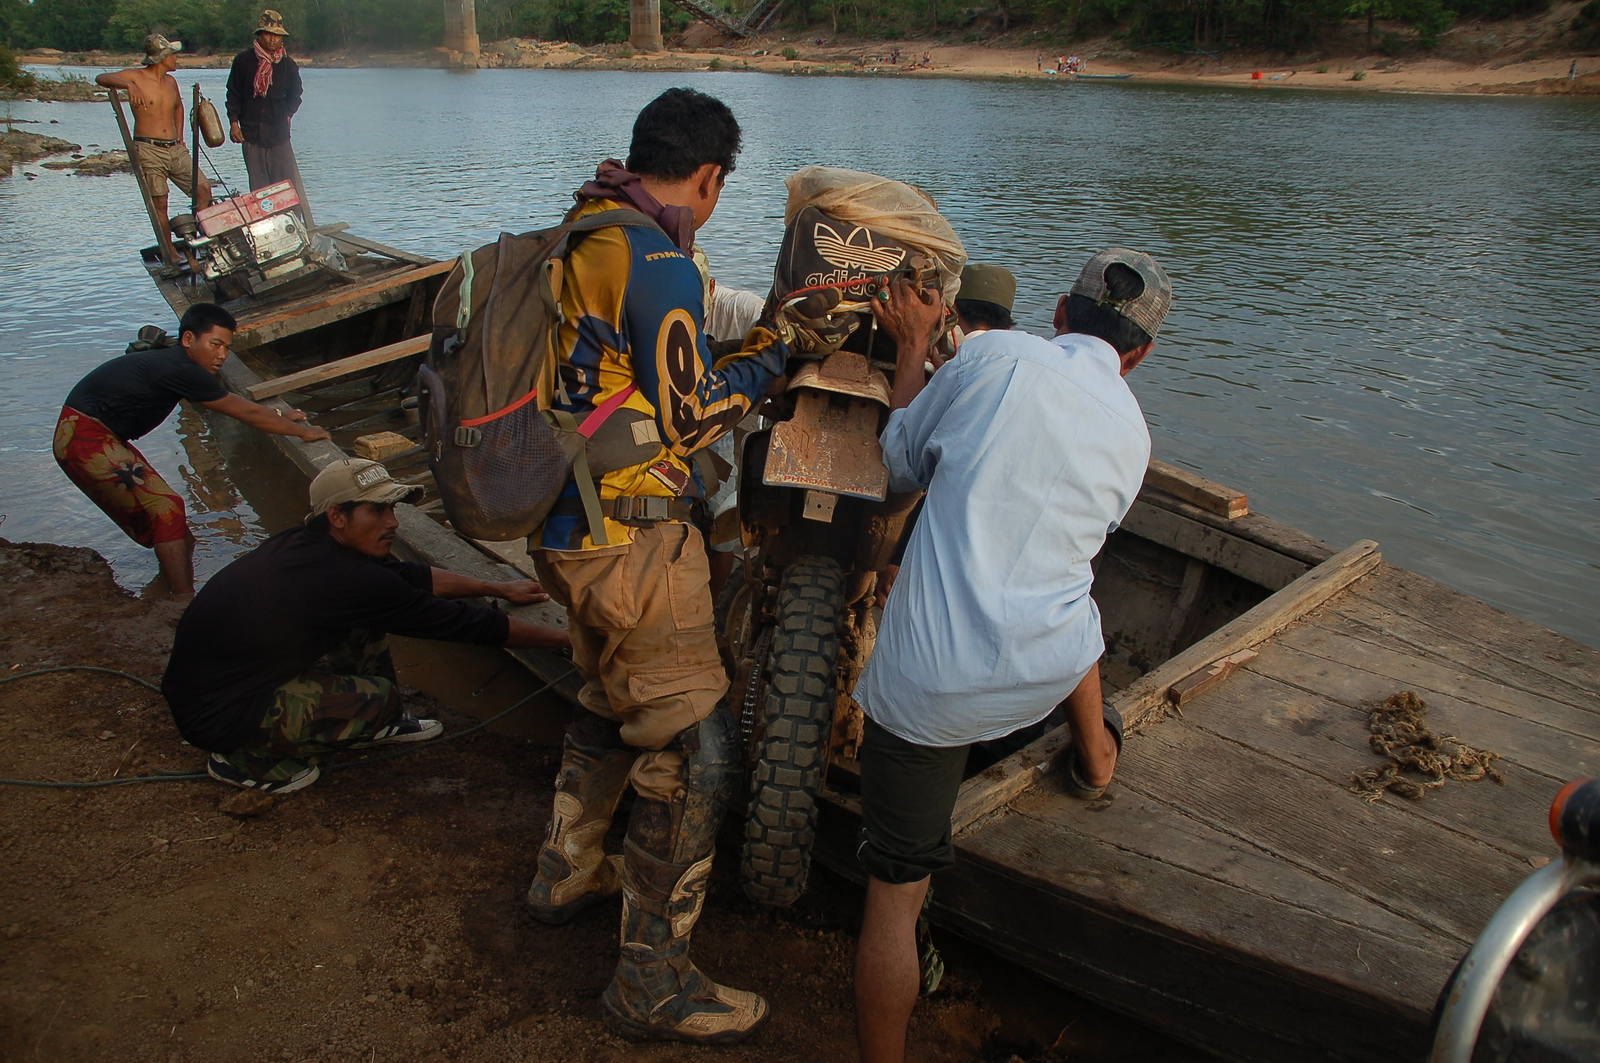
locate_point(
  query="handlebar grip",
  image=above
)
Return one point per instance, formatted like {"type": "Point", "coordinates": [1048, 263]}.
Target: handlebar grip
{"type": "Point", "coordinates": [1575, 819]}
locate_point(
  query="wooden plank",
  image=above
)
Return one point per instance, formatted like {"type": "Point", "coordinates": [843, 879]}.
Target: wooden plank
{"type": "Point", "coordinates": [1446, 883]}
{"type": "Point", "coordinates": [1258, 564]}
{"type": "Point", "coordinates": [1294, 601]}
{"type": "Point", "coordinates": [999, 783]}
{"type": "Point", "coordinates": [1201, 680]}
{"type": "Point", "coordinates": [1269, 709]}
{"type": "Point", "coordinates": [323, 307]}
{"type": "Point", "coordinates": [363, 244]}
{"type": "Point", "coordinates": [1263, 531]}
{"type": "Point", "coordinates": [514, 554]}
{"type": "Point", "coordinates": [318, 374]}
{"type": "Point", "coordinates": [1196, 490]}
{"type": "Point", "coordinates": [157, 223]}
{"type": "Point", "coordinates": [1476, 635]}
{"type": "Point", "coordinates": [1555, 740]}
{"type": "Point", "coordinates": [380, 446]}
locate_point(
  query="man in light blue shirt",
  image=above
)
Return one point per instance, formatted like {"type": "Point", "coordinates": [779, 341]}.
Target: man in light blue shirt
{"type": "Point", "coordinates": [1031, 452]}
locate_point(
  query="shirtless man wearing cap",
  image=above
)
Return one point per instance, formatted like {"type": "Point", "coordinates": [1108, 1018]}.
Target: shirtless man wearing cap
{"type": "Point", "coordinates": [159, 152]}
{"type": "Point", "coordinates": [282, 657]}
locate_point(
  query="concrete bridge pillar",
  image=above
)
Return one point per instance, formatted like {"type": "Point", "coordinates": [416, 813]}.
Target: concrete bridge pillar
{"type": "Point", "coordinates": [461, 28]}
{"type": "Point", "coordinates": [644, 25]}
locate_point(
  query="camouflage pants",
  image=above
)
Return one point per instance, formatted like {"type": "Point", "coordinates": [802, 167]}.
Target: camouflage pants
{"type": "Point", "coordinates": [323, 710]}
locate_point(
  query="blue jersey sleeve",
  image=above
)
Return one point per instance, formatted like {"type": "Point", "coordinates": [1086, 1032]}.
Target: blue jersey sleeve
{"type": "Point", "coordinates": [696, 400]}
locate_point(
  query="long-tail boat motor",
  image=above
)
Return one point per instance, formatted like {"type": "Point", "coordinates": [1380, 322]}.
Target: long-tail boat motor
{"type": "Point", "coordinates": [257, 239]}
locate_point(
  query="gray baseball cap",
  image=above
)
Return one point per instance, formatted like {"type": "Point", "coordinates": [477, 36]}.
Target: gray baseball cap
{"type": "Point", "coordinates": [1148, 307]}
{"type": "Point", "coordinates": [357, 480]}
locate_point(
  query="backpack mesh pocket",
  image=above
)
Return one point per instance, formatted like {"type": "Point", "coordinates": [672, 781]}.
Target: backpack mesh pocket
{"type": "Point", "coordinates": [499, 476]}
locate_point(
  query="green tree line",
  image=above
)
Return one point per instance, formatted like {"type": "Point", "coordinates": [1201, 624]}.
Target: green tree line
{"type": "Point", "coordinates": [326, 25]}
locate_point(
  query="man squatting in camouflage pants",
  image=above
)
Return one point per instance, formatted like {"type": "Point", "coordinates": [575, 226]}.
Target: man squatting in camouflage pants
{"type": "Point", "coordinates": [281, 658]}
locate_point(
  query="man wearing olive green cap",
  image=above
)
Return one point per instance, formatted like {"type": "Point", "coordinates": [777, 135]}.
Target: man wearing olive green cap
{"type": "Point", "coordinates": [282, 657]}
{"type": "Point", "coordinates": [264, 94]}
{"type": "Point", "coordinates": [985, 298]}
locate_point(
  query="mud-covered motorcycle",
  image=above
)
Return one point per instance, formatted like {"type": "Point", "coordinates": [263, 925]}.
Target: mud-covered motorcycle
{"type": "Point", "coordinates": [819, 524]}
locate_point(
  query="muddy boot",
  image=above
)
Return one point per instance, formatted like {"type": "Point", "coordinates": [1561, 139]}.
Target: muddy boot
{"type": "Point", "coordinates": [574, 871]}
{"type": "Point", "coordinates": [658, 993]}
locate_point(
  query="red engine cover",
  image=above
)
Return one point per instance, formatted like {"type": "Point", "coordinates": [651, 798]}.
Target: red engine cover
{"type": "Point", "coordinates": [250, 207]}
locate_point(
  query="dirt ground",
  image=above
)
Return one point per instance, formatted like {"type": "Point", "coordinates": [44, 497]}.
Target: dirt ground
{"type": "Point", "coordinates": [374, 916]}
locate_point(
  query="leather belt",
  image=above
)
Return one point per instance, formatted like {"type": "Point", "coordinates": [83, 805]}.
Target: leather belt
{"type": "Point", "coordinates": [159, 143]}
{"type": "Point", "coordinates": [640, 509]}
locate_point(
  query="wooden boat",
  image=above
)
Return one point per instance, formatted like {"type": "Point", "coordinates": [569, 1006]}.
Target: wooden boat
{"type": "Point", "coordinates": [1232, 890]}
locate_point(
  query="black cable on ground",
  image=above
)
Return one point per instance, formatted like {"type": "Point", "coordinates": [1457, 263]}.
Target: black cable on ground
{"type": "Point", "coordinates": [177, 776]}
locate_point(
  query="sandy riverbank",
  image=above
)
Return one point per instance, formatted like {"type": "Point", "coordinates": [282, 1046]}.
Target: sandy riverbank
{"type": "Point", "coordinates": [1523, 57]}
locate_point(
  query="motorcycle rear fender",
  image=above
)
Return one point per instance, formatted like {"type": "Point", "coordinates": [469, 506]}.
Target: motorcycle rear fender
{"type": "Point", "coordinates": [830, 443]}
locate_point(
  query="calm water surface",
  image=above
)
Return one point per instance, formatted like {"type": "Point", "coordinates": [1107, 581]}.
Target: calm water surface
{"type": "Point", "coordinates": [1386, 312]}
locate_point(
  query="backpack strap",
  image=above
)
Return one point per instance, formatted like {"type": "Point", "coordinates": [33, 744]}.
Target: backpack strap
{"type": "Point", "coordinates": [551, 280]}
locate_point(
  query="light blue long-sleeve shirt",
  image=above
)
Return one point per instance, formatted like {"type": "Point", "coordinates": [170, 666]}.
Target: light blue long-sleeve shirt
{"type": "Point", "coordinates": [1031, 452]}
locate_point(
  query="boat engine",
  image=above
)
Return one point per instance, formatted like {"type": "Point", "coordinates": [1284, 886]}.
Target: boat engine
{"type": "Point", "coordinates": [257, 240]}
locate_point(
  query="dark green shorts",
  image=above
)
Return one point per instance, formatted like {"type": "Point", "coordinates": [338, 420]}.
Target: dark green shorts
{"type": "Point", "coordinates": [907, 794]}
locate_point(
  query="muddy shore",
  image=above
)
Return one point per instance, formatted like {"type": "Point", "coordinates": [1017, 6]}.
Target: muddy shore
{"type": "Point", "coordinates": [376, 915]}
{"type": "Point", "coordinates": [1512, 57]}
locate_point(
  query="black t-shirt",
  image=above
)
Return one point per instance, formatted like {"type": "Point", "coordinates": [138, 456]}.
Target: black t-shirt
{"type": "Point", "coordinates": [132, 394]}
{"type": "Point", "coordinates": [272, 613]}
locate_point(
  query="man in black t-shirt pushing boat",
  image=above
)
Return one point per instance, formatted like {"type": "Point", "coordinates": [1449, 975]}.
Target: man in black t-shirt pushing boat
{"type": "Point", "coordinates": [130, 396]}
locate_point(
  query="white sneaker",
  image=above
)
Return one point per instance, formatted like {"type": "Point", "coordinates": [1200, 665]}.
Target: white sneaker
{"type": "Point", "coordinates": [405, 729]}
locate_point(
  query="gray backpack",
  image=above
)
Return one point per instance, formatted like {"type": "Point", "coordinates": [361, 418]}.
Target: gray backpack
{"type": "Point", "coordinates": [499, 451]}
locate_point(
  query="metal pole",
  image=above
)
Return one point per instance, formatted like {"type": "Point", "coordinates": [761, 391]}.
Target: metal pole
{"type": "Point", "coordinates": [300, 185]}
{"type": "Point", "coordinates": [159, 224]}
{"type": "Point", "coordinates": [194, 136]}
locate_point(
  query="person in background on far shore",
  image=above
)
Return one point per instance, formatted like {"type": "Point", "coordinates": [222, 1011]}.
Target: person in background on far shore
{"type": "Point", "coordinates": [283, 657]}
{"type": "Point", "coordinates": [990, 624]}
{"type": "Point", "coordinates": [159, 154]}
{"type": "Point", "coordinates": [128, 397]}
{"type": "Point", "coordinates": [264, 93]}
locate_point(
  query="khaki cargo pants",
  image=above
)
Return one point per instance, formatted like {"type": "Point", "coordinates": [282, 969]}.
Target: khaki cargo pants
{"type": "Point", "coordinates": [643, 640]}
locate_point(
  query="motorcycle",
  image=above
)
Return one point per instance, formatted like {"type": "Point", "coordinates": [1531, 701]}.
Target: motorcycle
{"type": "Point", "coordinates": [818, 524]}
{"type": "Point", "coordinates": [1529, 989]}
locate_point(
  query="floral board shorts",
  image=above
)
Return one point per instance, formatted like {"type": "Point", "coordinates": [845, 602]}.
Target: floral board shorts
{"type": "Point", "coordinates": [119, 480]}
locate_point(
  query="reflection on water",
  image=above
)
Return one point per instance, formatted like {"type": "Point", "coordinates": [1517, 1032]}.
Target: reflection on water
{"type": "Point", "coordinates": [1385, 323]}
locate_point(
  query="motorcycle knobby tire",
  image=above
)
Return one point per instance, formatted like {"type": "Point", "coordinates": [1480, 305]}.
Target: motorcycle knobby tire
{"type": "Point", "coordinates": [792, 747]}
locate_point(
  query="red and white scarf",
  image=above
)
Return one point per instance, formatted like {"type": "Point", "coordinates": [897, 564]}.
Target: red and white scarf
{"type": "Point", "coordinates": [264, 61]}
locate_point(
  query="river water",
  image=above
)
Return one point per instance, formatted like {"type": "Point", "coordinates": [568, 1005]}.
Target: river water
{"type": "Point", "coordinates": [1385, 322]}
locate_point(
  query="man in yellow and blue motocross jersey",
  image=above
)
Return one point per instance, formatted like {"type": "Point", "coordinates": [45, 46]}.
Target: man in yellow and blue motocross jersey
{"type": "Point", "coordinates": [639, 603]}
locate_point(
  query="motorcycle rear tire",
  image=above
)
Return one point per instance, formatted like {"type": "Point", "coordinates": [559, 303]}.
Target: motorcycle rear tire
{"type": "Point", "coordinates": [792, 747]}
